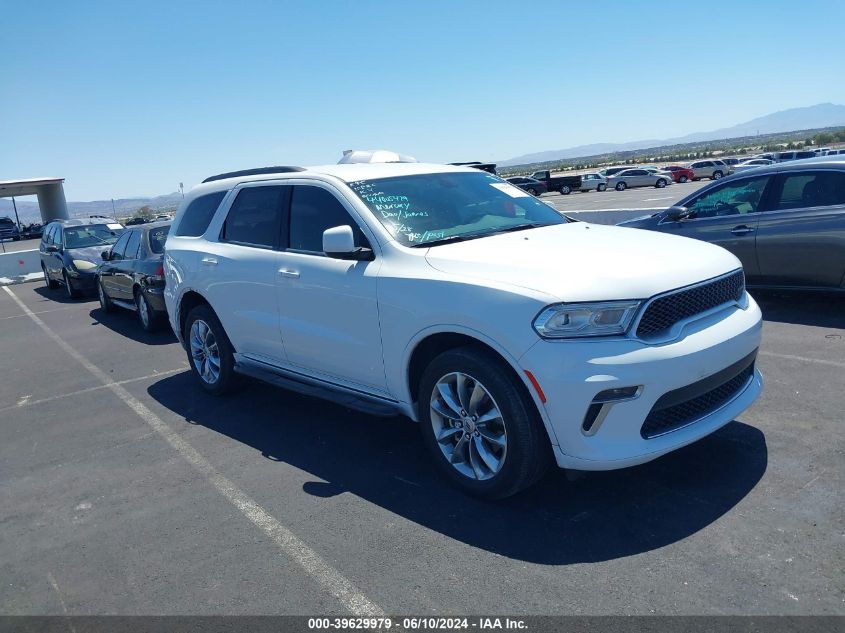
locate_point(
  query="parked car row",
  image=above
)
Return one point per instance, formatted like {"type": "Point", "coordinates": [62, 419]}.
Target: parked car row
{"type": "Point", "coordinates": [435, 292]}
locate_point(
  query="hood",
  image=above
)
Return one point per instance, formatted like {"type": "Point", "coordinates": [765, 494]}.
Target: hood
{"type": "Point", "coordinates": [91, 254]}
{"type": "Point", "coordinates": [585, 262]}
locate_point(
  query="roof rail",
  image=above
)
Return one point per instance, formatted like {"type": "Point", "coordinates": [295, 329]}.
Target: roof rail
{"type": "Point", "coordinates": [254, 172]}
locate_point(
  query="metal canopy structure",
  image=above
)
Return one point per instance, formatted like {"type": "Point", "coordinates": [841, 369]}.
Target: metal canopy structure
{"type": "Point", "coordinates": [50, 192]}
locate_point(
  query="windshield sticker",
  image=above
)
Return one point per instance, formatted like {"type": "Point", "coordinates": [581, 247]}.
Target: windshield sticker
{"type": "Point", "coordinates": [513, 192]}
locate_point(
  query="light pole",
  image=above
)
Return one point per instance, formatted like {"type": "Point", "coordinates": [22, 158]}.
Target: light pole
{"type": "Point", "coordinates": [17, 219]}
{"type": "Point", "coordinates": [113, 212]}
{"type": "Point", "coordinates": [182, 189]}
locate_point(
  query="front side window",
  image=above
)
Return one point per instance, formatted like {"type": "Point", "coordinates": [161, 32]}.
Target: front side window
{"type": "Point", "coordinates": [813, 189]}
{"type": "Point", "coordinates": [255, 216]}
{"type": "Point", "coordinates": [92, 235]}
{"type": "Point", "coordinates": [733, 198]}
{"type": "Point", "coordinates": [197, 216]}
{"type": "Point", "coordinates": [426, 208]}
{"type": "Point", "coordinates": [312, 211]}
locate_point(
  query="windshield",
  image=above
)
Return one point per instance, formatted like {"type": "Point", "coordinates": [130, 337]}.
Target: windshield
{"type": "Point", "coordinates": [92, 235]}
{"type": "Point", "coordinates": [428, 208]}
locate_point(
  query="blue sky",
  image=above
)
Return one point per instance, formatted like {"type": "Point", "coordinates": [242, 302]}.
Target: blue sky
{"type": "Point", "coordinates": [130, 98]}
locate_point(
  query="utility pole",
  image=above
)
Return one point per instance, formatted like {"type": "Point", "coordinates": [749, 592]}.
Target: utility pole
{"type": "Point", "coordinates": [182, 189]}
{"type": "Point", "coordinates": [113, 212]}
{"type": "Point", "coordinates": [17, 219]}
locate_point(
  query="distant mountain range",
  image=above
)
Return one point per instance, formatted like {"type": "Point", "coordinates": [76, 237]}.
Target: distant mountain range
{"type": "Point", "coordinates": [124, 207]}
{"type": "Point", "coordinates": [811, 117]}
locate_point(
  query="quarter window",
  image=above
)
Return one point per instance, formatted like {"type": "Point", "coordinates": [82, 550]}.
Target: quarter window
{"type": "Point", "coordinates": [197, 216]}
{"type": "Point", "coordinates": [312, 211]}
{"type": "Point", "coordinates": [814, 189]}
{"type": "Point", "coordinates": [733, 198]}
{"type": "Point", "coordinates": [254, 217]}
{"type": "Point", "coordinates": [157, 238]}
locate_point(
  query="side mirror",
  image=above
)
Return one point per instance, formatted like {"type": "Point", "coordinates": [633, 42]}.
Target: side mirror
{"type": "Point", "coordinates": [52, 248]}
{"type": "Point", "coordinates": [677, 213]}
{"type": "Point", "coordinates": [105, 255]}
{"type": "Point", "coordinates": [339, 242]}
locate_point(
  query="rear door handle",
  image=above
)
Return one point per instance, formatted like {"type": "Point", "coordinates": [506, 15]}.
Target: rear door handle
{"type": "Point", "coordinates": [292, 274]}
{"type": "Point", "coordinates": [209, 261]}
{"type": "Point", "coordinates": [742, 230]}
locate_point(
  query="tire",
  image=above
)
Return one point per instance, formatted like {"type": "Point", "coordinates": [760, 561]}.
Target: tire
{"type": "Point", "coordinates": [148, 319]}
{"type": "Point", "coordinates": [601, 187]}
{"type": "Point", "coordinates": [565, 190]}
{"type": "Point", "coordinates": [106, 304]}
{"type": "Point", "coordinates": [482, 466]}
{"type": "Point", "coordinates": [72, 292]}
{"type": "Point", "coordinates": [621, 186]}
{"type": "Point", "coordinates": [716, 175]}
{"type": "Point", "coordinates": [682, 179]}
{"type": "Point", "coordinates": [660, 183]}
{"type": "Point", "coordinates": [50, 283]}
{"type": "Point", "coordinates": [533, 192]}
{"type": "Point", "coordinates": [226, 379]}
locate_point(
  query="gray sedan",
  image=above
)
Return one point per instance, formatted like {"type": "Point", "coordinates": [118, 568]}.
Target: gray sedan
{"type": "Point", "coordinates": [785, 222]}
{"type": "Point", "coordinates": [638, 177]}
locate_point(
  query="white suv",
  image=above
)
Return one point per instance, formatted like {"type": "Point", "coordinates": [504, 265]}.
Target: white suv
{"type": "Point", "coordinates": [514, 336]}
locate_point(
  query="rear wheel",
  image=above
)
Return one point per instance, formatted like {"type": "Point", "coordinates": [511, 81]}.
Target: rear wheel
{"type": "Point", "coordinates": [148, 319]}
{"type": "Point", "coordinates": [533, 192]}
{"type": "Point", "coordinates": [481, 428]}
{"type": "Point", "coordinates": [717, 175]}
{"type": "Point", "coordinates": [621, 186]}
{"type": "Point", "coordinates": [52, 285]}
{"type": "Point", "coordinates": [601, 187]}
{"type": "Point", "coordinates": [565, 190]}
{"type": "Point", "coordinates": [210, 353]}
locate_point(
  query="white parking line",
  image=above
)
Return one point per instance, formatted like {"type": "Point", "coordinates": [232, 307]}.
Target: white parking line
{"type": "Point", "coordinates": [663, 198]}
{"type": "Point", "coordinates": [804, 359]}
{"type": "Point", "coordinates": [26, 402]}
{"type": "Point", "coordinates": [324, 574]}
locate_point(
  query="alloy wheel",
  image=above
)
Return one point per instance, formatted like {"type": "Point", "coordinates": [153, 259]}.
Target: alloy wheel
{"type": "Point", "coordinates": [205, 352]}
{"type": "Point", "coordinates": [468, 426]}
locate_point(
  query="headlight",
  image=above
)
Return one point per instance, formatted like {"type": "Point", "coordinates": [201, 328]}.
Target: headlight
{"type": "Point", "coordinates": [81, 264]}
{"type": "Point", "coordinates": [569, 320]}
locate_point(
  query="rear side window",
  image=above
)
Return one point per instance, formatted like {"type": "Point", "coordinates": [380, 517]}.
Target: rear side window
{"type": "Point", "coordinates": [255, 215]}
{"type": "Point", "coordinates": [132, 245]}
{"type": "Point", "coordinates": [312, 211]}
{"type": "Point", "coordinates": [198, 215]}
{"type": "Point", "coordinates": [157, 238]}
{"type": "Point", "coordinates": [814, 189]}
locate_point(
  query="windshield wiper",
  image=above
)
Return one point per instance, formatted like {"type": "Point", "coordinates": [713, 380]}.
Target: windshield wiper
{"type": "Point", "coordinates": [472, 236]}
{"type": "Point", "coordinates": [444, 240]}
{"type": "Point", "coordinates": [518, 227]}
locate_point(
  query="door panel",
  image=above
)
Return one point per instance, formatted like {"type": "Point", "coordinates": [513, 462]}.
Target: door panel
{"type": "Point", "coordinates": [801, 242]}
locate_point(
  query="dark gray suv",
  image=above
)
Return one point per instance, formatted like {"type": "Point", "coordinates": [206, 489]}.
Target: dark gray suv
{"type": "Point", "coordinates": [785, 222]}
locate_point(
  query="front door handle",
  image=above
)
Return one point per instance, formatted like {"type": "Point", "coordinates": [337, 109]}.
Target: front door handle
{"type": "Point", "coordinates": [742, 230]}
{"type": "Point", "coordinates": [292, 274]}
{"type": "Point", "coordinates": [209, 261]}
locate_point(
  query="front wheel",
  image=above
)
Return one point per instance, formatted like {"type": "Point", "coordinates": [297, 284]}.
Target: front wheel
{"type": "Point", "coordinates": [717, 175]}
{"type": "Point", "coordinates": [479, 424]}
{"type": "Point", "coordinates": [565, 190]}
{"type": "Point", "coordinates": [52, 285]}
{"type": "Point", "coordinates": [660, 184]}
{"type": "Point", "coordinates": [621, 186]}
{"type": "Point", "coordinates": [682, 179]}
{"type": "Point", "coordinates": [601, 187]}
{"type": "Point", "coordinates": [534, 192]}
{"type": "Point", "coordinates": [210, 352]}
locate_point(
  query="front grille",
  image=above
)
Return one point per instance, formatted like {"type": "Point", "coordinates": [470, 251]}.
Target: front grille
{"type": "Point", "coordinates": [664, 312]}
{"type": "Point", "coordinates": [669, 415]}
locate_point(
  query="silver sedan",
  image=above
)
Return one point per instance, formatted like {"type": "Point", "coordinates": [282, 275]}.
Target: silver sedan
{"type": "Point", "coordinates": [639, 178]}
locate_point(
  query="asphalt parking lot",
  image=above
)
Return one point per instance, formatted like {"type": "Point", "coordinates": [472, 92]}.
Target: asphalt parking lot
{"type": "Point", "coordinates": [128, 490]}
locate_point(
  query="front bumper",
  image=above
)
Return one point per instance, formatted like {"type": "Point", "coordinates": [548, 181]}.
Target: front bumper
{"type": "Point", "coordinates": [572, 373]}
{"type": "Point", "coordinates": [82, 280]}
